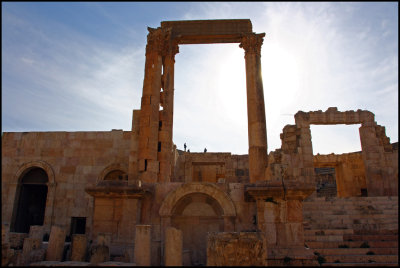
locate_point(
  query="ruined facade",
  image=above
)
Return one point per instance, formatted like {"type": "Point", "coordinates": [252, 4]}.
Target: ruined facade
{"type": "Point", "coordinates": [132, 196]}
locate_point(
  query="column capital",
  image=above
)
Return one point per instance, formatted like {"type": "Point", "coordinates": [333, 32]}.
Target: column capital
{"type": "Point", "coordinates": [160, 40]}
{"type": "Point", "coordinates": [251, 43]}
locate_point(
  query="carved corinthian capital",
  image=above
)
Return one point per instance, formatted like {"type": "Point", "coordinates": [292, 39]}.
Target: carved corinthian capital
{"type": "Point", "coordinates": [159, 40]}
{"type": "Point", "coordinates": [251, 43]}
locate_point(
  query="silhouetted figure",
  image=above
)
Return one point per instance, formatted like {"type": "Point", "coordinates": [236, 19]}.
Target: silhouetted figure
{"type": "Point", "coordinates": [205, 150]}
{"type": "Point", "coordinates": [188, 150]}
{"type": "Point", "coordinates": [184, 146]}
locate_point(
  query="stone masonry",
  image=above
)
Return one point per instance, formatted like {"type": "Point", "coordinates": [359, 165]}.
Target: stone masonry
{"type": "Point", "coordinates": [133, 198]}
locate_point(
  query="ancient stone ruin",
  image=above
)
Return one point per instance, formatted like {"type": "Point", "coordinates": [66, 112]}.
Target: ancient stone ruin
{"type": "Point", "coordinates": [133, 198]}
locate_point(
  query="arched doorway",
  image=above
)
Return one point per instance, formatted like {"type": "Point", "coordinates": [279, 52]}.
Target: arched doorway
{"type": "Point", "coordinates": [195, 215]}
{"type": "Point", "coordinates": [30, 200]}
{"type": "Point", "coordinates": [197, 208]}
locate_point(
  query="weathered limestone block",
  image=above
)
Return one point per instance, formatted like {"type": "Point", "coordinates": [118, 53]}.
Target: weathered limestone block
{"type": "Point", "coordinates": [7, 254]}
{"type": "Point", "coordinates": [236, 249]}
{"type": "Point", "coordinates": [104, 239]}
{"type": "Point", "coordinates": [78, 252]}
{"type": "Point", "coordinates": [17, 239]}
{"type": "Point", "coordinates": [5, 233]}
{"type": "Point", "coordinates": [37, 255]}
{"type": "Point", "coordinates": [56, 244]}
{"type": "Point", "coordinates": [31, 244]}
{"type": "Point", "coordinates": [36, 231]}
{"type": "Point", "coordinates": [99, 253]}
{"type": "Point", "coordinates": [186, 258]}
{"type": "Point", "coordinates": [173, 247]}
{"type": "Point", "coordinates": [142, 245]}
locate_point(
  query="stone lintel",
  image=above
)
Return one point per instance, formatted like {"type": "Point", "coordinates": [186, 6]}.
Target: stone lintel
{"type": "Point", "coordinates": [208, 31]}
{"type": "Point", "coordinates": [298, 194]}
{"type": "Point", "coordinates": [255, 193]}
{"type": "Point", "coordinates": [116, 192]}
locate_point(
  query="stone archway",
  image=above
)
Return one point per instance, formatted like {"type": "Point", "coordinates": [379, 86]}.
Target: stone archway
{"type": "Point", "coordinates": [34, 196]}
{"type": "Point", "coordinates": [198, 187]}
{"type": "Point", "coordinates": [121, 168]}
{"type": "Point", "coordinates": [196, 209]}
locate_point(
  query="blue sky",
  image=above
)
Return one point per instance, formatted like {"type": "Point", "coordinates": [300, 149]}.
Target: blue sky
{"type": "Point", "coordinates": [80, 67]}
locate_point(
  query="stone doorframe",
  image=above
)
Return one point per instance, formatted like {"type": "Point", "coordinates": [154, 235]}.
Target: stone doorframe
{"type": "Point", "coordinates": [374, 144]}
{"type": "Point", "coordinates": [51, 189]}
{"type": "Point", "coordinates": [155, 125]}
{"type": "Point", "coordinates": [170, 201]}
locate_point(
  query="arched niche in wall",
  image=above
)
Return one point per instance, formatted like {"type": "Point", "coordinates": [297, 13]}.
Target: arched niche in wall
{"type": "Point", "coordinates": [34, 196]}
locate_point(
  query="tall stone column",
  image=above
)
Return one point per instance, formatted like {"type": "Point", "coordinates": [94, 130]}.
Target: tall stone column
{"type": "Point", "coordinates": [257, 130]}
{"type": "Point", "coordinates": [167, 114]}
{"type": "Point", "coordinates": [148, 164]}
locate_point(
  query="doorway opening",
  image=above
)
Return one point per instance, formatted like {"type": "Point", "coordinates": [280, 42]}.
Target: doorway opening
{"type": "Point", "coordinates": [30, 205]}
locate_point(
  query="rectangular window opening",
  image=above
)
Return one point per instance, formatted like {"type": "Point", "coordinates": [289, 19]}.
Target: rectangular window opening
{"type": "Point", "coordinates": [78, 225]}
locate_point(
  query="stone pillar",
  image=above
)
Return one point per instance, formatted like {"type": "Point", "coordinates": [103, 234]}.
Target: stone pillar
{"type": "Point", "coordinates": [143, 245]}
{"type": "Point", "coordinates": [148, 164]}
{"type": "Point", "coordinates": [167, 114]}
{"type": "Point", "coordinates": [257, 129]}
{"type": "Point", "coordinates": [173, 247]}
{"type": "Point", "coordinates": [372, 154]}
{"type": "Point", "coordinates": [56, 244]}
{"type": "Point", "coordinates": [79, 244]}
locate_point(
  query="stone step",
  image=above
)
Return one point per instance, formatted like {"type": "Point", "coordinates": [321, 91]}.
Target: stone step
{"type": "Point", "coordinates": [376, 232]}
{"type": "Point", "coordinates": [353, 199]}
{"type": "Point", "coordinates": [355, 226]}
{"type": "Point", "coordinates": [355, 205]}
{"type": "Point", "coordinates": [321, 207]}
{"type": "Point", "coordinates": [339, 211]}
{"type": "Point", "coordinates": [359, 264]}
{"type": "Point", "coordinates": [328, 231]}
{"type": "Point", "coordinates": [355, 251]}
{"type": "Point", "coordinates": [381, 218]}
{"type": "Point", "coordinates": [362, 258]}
{"type": "Point", "coordinates": [351, 244]}
{"type": "Point", "coordinates": [321, 238]}
{"type": "Point", "coordinates": [350, 222]}
{"type": "Point", "coordinates": [377, 237]}
{"type": "Point", "coordinates": [352, 203]}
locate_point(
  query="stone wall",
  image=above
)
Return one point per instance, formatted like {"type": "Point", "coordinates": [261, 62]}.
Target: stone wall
{"type": "Point", "coordinates": [210, 167]}
{"type": "Point", "coordinates": [349, 172]}
{"type": "Point", "coordinates": [75, 161]}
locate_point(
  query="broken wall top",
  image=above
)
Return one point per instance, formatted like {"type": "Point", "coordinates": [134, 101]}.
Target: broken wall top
{"type": "Point", "coordinates": [332, 116]}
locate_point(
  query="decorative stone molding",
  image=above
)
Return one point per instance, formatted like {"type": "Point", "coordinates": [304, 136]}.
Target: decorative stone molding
{"type": "Point", "coordinates": [112, 167]}
{"type": "Point", "coordinates": [35, 164]}
{"type": "Point", "coordinates": [251, 43]}
{"type": "Point", "coordinates": [159, 40]}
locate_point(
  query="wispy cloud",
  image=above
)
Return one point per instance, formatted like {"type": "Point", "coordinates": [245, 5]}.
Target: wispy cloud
{"type": "Point", "coordinates": [70, 83]}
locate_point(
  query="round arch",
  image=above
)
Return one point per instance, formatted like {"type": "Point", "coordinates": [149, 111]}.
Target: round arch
{"type": "Point", "coordinates": [50, 191]}
{"type": "Point", "coordinates": [24, 168]}
{"type": "Point", "coordinates": [197, 187]}
{"type": "Point", "coordinates": [110, 168]}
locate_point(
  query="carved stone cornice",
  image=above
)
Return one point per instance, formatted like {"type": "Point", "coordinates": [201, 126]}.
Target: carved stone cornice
{"type": "Point", "coordinates": [251, 43]}
{"type": "Point", "coordinates": [160, 41]}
